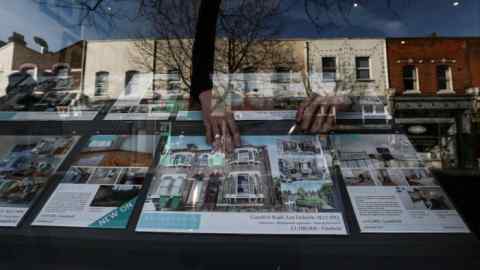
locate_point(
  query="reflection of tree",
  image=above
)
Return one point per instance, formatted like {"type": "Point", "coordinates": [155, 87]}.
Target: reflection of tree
{"type": "Point", "coordinates": [91, 11]}
{"type": "Point", "coordinates": [246, 25]}
{"type": "Point", "coordinates": [244, 39]}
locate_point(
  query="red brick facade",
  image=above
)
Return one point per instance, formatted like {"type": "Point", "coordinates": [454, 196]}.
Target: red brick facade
{"type": "Point", "coordinates": [425, 54]}
{"type": "Point", "coordinates": [473, 53]}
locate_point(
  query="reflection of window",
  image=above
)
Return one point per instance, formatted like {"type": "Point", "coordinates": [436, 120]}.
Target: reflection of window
{"type": "Point", "coordinates": [362, 66]}
{"type": "Point", "coordinates": [249, 78]}
{"type": "Point", "coordinates": [282, 75]}
{"type": "Point", "coordinates": [131, 78]}
{"type": "Point", "coordinates": [410, 78]}
{"type": "Point", "coordinates": [444, 78]}
{"type": "Point", "coordinates": [61, 71]}
{"type": "Point", "coordinates": [329, 69]}
{"type": "Point", "coordinates": [173, 79]}
{"type": "Point", "coordinates": [101, 83]}
{"type": "Point", "coordinates": [30, 70]}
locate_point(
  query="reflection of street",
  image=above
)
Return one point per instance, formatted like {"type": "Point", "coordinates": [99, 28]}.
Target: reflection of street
{"type": "Point", "coordinates": [421, 198]}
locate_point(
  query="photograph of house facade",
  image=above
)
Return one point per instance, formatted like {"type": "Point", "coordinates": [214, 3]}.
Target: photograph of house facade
{"type": "Point", "coordinates": [27, 163]}
{"type": "Point", "coordinates": [380, 159]}
{"type": "Point", "coordinates": [267, 173]}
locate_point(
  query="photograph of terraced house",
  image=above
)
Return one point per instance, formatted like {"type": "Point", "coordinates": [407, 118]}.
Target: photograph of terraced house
{"type": "Point", "coordinates": [27, 163]}
{"type": "Point", "coordinates": [259, 176]}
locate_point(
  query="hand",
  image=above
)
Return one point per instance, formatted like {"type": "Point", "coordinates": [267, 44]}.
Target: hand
{"type": "Point", "coordinates": [317, 114]}
{"type": "Point", "coordinates": [221, 129]}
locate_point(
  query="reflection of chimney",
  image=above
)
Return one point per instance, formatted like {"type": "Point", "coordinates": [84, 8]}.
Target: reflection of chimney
{"type": "Point", "coordinates": [17, 38]}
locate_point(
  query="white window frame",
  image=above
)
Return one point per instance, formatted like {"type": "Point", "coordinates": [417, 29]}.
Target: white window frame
{"type": "Point", "coordinates": [104, 93]}
{"type": "Point", "coordinates": [357, 68]}
{"type": "Point", "coordinates": [448, 77]}
{"type": "Point", "coordinates": [322, 68]}
{"type": "Point", "coordinates": [416, 83]}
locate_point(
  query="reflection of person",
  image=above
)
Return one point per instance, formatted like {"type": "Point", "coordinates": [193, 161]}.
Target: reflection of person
{"type": "Point", "coordinates": [317, 113]}
{"type": "Point", "coordinates": [219, 123]}
{"type": "Point", "coordinates": [430, 199]}
{"type": "Point", "coordinates": [433, 201]}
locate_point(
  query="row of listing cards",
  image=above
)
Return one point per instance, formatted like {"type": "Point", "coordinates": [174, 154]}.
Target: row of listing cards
{"type": "Point", "coordinates": [268, 185]}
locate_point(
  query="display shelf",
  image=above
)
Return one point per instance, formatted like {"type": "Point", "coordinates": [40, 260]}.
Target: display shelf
{"type": "Point", "coordinates": [61, 246]}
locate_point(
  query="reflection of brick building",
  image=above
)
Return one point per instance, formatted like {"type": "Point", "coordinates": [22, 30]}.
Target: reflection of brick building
{"type": "Point", "coordinates": [58, 71]}
{"type": "Point", "coordinates": [433, 78]}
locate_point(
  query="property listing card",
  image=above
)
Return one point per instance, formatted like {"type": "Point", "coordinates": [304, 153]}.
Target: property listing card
{"type": "Point", "coordinates": [269, 185]}
{"type": "Point", "coordinates": [26, 165]}
{"type": "Point", "coordinates": [390, 189]}
{"type": "Point", "coordinates": [100, 189]}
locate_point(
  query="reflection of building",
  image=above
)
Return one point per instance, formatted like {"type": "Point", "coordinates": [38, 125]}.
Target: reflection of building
{"type": "Point", "coordinates": [353, 67]}
{"type": "Point", "coordinates": [433, 79]}
{"type": "Point", "coordinates": [49, 71]}
{"type": "Point", "coordinates": [113, 68]}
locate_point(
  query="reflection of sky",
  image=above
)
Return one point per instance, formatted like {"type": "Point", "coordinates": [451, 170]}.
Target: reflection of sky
{"type": "Point", "coordinates": [60, 26]}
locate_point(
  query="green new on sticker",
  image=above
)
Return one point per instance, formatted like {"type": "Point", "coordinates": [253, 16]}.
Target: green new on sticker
{"type": "Point", "coordinates": [117, 218]}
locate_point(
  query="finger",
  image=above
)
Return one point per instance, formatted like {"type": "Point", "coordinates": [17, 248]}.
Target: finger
{"type": "Point", "coordinates": [301, 109]}
{"type": "Point", "coordinates": [227, 141]}
{"type": "Point", "coordinates": [329, 124]}
{"type": "Point", "coordinates": [319, 119]}
{"type": "Point", "coordinates": [317, 124]}
{"type": "Point", "coordinates": [208, 133]}
{"type": "Point", "coordinates": [331, 118]}
{"type": "Point", "coordinates": [232, 126]}
{"type": "Point", "coordinates": [310, 114]}
{"type": "Point", "coordinates": [225, 136]}
{"type": "Point", "coordinates": [220, 136]}
{"type": "Point", "coordinates": [216, 129]}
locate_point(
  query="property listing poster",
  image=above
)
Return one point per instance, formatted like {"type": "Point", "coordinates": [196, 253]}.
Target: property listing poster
{"type": "Point", "coordinates": [101, 187]}
{"type": "Point", "coordinates": [390, 189]}
{"type": "Point", "coordinates": [26, 165]}
{"type": "Point", "coordinates": [269, 185]}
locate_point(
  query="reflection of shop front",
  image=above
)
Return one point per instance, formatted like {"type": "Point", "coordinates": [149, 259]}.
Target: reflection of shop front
{"type": "Point", "coordinates": [438, 127]}
{"type": "Point", "coordinates": [476, 133]}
